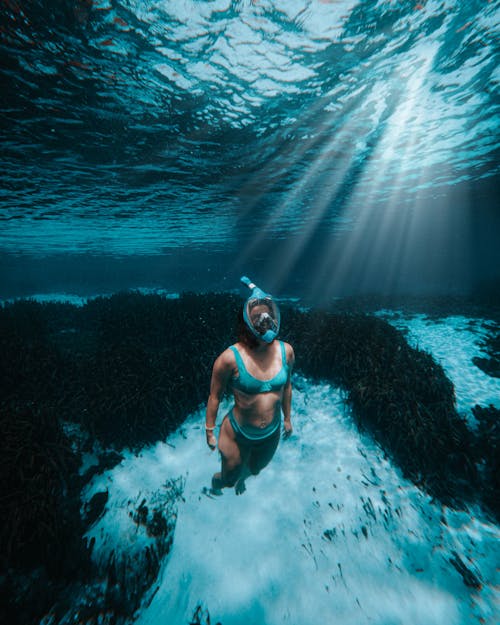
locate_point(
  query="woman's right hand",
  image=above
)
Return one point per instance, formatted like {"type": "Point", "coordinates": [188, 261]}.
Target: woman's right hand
{"type": "Point", "coordinates": [211, 440]}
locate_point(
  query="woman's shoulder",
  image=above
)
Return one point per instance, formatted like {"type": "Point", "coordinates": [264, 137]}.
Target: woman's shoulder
{"type": "Point", "coordinates": [226, 359]}
{"type": "Point", "coordinates": [290, 354]}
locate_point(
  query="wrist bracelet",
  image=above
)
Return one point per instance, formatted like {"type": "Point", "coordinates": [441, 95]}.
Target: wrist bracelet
{"type": "Point", "coordinates": [209, 429]}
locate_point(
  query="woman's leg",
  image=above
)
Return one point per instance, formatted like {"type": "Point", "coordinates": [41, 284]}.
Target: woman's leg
{"type": "Point", "coordinates": [232, 458]}
{"type": "Point", "coordinates": [260, 455]}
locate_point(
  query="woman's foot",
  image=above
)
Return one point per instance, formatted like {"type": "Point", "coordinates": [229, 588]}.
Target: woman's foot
{"type": "Point", "coordinates": [217, 484]}
{"type": "Point", "coordinates": [240, 486]}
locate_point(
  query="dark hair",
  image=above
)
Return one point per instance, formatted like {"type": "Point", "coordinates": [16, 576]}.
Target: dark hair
{"type": "Point", "coordinates": [244, 333]}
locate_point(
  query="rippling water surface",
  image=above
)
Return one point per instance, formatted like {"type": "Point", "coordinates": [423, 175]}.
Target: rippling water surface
{"type": "Point", "coordinates": [138, 126]}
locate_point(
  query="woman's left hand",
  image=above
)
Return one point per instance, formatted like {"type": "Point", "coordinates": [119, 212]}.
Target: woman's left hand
{"type": "Point", "coordinates": [287, 429]}
{"type": "Point", "coordinates": [211, 440]}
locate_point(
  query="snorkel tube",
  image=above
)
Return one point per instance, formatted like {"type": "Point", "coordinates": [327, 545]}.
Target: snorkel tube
{"type": "Point", "coordinates": [269, 322]}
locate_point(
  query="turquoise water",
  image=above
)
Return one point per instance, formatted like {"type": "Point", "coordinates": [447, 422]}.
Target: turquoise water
{"type": "Point", "coordinates": [352, 144]}
{"type": "Point", "coordinates": [326, 149]}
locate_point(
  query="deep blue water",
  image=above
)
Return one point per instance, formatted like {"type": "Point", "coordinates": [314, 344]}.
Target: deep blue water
{"type": "Point", "coordinates": [324, 147]}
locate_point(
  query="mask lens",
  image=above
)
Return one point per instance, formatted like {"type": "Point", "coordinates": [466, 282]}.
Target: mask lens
{"type": "Point", "coordinates": [263, 315]}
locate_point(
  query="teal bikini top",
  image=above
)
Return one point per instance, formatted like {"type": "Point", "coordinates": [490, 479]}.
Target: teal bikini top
{"type": "Point", "coordinates": [252, 386]}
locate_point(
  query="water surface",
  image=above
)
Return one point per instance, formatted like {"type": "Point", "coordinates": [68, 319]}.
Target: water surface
{"type": "Point", "coordinates": [346, 142]}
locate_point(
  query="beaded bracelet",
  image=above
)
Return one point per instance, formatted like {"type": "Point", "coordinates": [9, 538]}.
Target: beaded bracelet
{"type": "Point", "coordinates": [209, 429]}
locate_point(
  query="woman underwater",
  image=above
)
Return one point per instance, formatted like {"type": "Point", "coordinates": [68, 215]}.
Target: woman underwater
{"type": "Point", "coordinates": [257, 369]}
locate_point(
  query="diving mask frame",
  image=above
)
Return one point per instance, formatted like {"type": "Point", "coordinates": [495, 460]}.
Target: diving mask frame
{"type": "Point", "coordinates": [267, 325]}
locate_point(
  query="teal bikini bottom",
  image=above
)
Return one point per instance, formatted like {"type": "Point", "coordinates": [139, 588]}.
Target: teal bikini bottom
{"type": "Point", "coordinates": [251, 433]}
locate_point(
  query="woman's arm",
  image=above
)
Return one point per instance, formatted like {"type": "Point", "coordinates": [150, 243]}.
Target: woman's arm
{"type": "Point", "coordinates": [287, 393]}
{"type": "Point", "coordinates": [220, 376]}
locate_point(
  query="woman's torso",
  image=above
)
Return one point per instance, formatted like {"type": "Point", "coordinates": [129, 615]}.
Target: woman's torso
{"type": "Point", "coordinates": [257, 382]}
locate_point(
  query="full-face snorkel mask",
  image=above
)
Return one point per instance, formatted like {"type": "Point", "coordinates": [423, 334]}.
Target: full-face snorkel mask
{"type": "Point", "coordinates": [261, 313]}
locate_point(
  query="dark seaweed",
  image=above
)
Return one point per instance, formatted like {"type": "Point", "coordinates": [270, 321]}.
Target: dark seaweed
{"type": "Point", "coordinates": [491, 364]}
{"type": "Point", "coordinates": [488, 455]}
{"type": "Point", "coordinates": [397, 393]}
